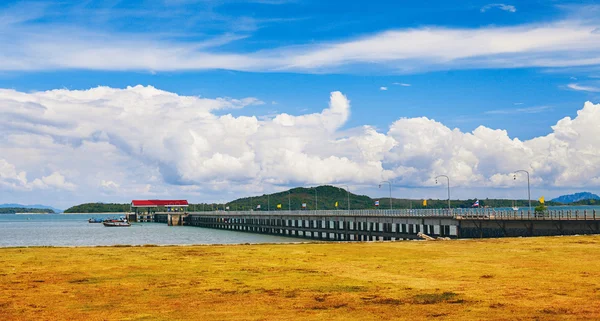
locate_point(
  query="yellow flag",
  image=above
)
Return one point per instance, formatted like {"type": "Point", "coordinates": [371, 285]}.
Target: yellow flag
{"type": "Point", "coordinates": [542, 200]}
{"type": "Point", "coordinates": [335, 204]}
{"type": "Point", "coordinates": [278, 205]}
{"type": "Point", "coordinates": [424, 202]}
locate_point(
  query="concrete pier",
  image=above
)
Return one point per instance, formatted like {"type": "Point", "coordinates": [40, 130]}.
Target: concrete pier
{"type": "Point", "coordinates": [396, 225]}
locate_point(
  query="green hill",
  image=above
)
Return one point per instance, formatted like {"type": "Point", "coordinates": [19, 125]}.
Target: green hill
{"type": "Point", "coordinates": [99, 208]}
{"type": "Point", "coordinates": [326, 197]}
{"type": "Point", "coordinates": [14, 210]}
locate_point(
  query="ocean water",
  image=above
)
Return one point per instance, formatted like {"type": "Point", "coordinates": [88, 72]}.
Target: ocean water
{"type": "Point", "coordinates": [74, 230]}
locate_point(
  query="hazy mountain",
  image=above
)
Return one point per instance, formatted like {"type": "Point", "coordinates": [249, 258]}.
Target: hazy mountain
{"type": "Point", "coordinates": [572, 198]}
{"type": "Point", "coordinates": [56, 210]}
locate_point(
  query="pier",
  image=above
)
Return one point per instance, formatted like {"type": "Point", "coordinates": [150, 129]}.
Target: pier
{"type": "Point", "coordinates": [371, 225]}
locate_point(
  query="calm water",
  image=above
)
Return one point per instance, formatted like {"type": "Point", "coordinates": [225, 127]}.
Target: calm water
{"type": "Point", "coordinates": [74, 230]}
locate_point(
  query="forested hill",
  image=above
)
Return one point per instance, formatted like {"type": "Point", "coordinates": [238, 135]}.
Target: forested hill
{"type": "Point", "coordinates": [325, 197]}
{"type": "Point", "coordinates": [99, 208]}
{"type": "Point", "coordinates": [14, 210]}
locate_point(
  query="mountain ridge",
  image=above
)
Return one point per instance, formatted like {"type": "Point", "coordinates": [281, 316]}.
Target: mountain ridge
{"type": "Point", "coordinates": [576, 197]}
{"type": "Point", "coordinates": [37, 206]}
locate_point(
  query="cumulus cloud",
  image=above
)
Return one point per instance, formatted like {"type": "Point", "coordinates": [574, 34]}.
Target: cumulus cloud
{"type": "Point", "coordinates": [142, 141]}
{"type": "Point", "coordinates": [12, 179]}
{"type": "Point", "coordinates": [383, 88]}
{"type": "Point", "coordinates": [501, 6]}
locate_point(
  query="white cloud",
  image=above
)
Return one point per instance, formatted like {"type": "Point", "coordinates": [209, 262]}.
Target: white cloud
{"type": "Point", "coordinates": [583, 88]}
{"type": "Point", "coordinates": [109, 185]}
{"type": "Point", "coordinates": [12, 179]}
{"type": "Point", "coordinates": [383, 88]}
{"type": "Point", "coordinates": [402, 84]}
{"type": "Point", "coordinates": [144, 142]}
{"type": "Point", "coordinates": [528, 110]}
{"type": "Point", "coordinates": [501, 6]}
{"type": "Point", "coordinates": [565, 43]}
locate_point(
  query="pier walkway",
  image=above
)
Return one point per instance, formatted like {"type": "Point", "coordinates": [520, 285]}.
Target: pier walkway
{"type": "Point", "coordinates": [366, 225]}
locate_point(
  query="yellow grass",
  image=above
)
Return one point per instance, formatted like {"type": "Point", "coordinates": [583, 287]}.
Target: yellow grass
{"type": "Point", "coordinates": [546, 278]}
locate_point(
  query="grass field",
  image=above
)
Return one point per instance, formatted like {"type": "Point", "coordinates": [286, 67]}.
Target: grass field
{"type": "Point", "coordinates": [545, 278]}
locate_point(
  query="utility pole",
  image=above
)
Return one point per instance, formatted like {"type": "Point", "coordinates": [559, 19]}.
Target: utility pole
{"type": "Point", "coordinates": [448, 178]}
{"type": "Point", "coordinates": [390, 184]}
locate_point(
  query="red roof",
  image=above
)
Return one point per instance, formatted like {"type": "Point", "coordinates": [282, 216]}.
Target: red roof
{"type": "Point", "coordinates": [156, 203]}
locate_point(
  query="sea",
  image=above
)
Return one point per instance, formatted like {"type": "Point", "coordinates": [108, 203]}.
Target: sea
{"type": "Point", "coordinates": [74, 230]}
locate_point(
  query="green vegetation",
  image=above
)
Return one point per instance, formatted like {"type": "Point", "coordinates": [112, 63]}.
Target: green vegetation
{"type": "Point", "coordinates": [13, 210]}
{"type": "Point", "coordinates": [537, 278]}
{"type": "Point", "coordinates": [586, 202]}
{"type": "Point", "coordinates": [99, 208]}
{"type": "Point", "coordinates": [326, 197]}
{"type": "Point", "coordinates": [540, 209]}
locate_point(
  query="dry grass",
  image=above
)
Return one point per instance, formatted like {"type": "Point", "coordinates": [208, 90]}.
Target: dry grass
{"type": "Point", "coordinates": [545, 278]}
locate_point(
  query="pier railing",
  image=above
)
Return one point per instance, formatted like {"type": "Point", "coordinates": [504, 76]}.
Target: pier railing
{"type": "Point", "coordinates": [458, 213]}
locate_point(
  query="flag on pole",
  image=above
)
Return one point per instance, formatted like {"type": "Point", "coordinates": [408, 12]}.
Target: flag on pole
{"type": "Point", "coordinates": [476, 204]}
{"type": "Point", "coordinates": [424, 202]}
{"type": "Point", "coordinates": [278, 205]}
{"type": "Point", "coordinates": [336, 204]}
{"type": "Point", "coordinates": [542, 200]}
{"type": "Point", "coordinates": [227, 207]}
{"type": "Point", "coordinates": [376, 203]}
{"type": "Point", "coordinates": [258, 207]}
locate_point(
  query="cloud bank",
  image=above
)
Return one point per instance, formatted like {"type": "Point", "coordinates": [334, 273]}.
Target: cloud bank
{"type": "Point", "coordinates": [145, 142]}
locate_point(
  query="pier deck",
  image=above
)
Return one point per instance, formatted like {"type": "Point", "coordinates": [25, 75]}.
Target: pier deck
{"type": "Point", "coordinates": [367, 225]}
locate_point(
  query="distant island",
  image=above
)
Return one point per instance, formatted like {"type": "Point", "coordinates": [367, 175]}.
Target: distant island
{"type": "Point", "coordinates": [20, 208]}
{"type": "Point", "coordinates": [15, 210]}
{"type": "Point", "coordinates": [583, 198]}
{"type": "Point", "coordinates": [99, 208]}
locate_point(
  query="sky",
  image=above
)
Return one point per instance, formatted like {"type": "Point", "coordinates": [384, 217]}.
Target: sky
{"type": "Point", "coordinates": [108, 101]}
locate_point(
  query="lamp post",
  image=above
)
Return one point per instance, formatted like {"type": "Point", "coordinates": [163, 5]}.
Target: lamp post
{"type": "Point", "coordinates": [448, 178]}
{"type": "Point", "coordinates": [348, 193]}
{"type": "Point", "coordinates": [390, 184]}
{"type": "Point", "coordinates": [316, 198]}
{"type": "Point", "coordinates": [289, 202]}
{"type": "Point", "coordinates": [528, 188]}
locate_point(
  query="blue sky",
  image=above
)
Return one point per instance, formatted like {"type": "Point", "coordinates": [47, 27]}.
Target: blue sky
{"type": "Point", "coordinates": [519, 67]}
{"type": "Point", "coordinates": [533, 98]}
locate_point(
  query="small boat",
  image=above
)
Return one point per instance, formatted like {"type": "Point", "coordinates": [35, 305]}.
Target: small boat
{"type": "Point", "coordinates": [122, 221]}
{"type": "Point", "coordinates": [95, 220]}
{"type": "Point", "coordinates": [116, 223]}
{"type": "Point", "coordinates": [514, 207]}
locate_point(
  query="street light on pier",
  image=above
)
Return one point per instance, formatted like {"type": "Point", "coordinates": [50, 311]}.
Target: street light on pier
{"type": "Point", "coordinates": [448, 178]}
{"type": "Point", "coordinates": [348, 191]}
{"type": "Point", "coordinates": [390, 184]}
{"type": "Point", "coordinates": [316, 198]}
{"type": "Point", "coordinates": [289, 201]}
{"type": "Point", "coordinates": [528, 188]}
